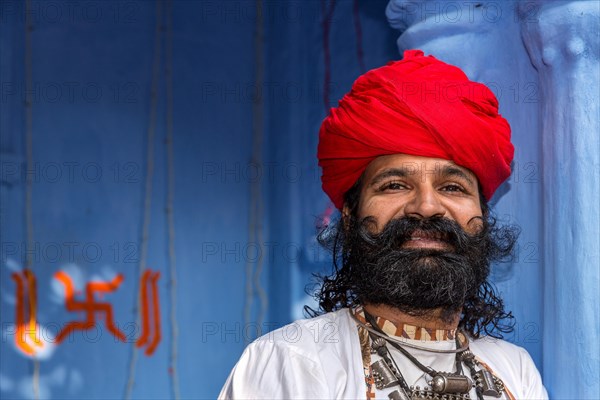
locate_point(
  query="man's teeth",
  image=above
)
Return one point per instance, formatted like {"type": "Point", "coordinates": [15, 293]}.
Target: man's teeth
{"type": "Point", "coordinates": [436, 237]}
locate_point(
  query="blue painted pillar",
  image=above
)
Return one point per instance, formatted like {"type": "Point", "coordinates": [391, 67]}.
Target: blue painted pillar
{"type": "Point", "coordinates": [563, 45]}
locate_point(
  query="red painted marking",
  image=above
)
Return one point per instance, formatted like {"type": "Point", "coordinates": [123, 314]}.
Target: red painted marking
{"type": "Point", "coordinates": [27, 328]}
{"type": "Point", "coordinates": [149, 279]}
{"type": "Point", "coordinates": [144, 300]}
{"type": "Point", "coordinates": [156, 314]}
{"type": "Point", "coordinates": [32, 285]}
{"type": "Point", "coordinates": [90, 306]}
{"type": "Point", "coordinates": [20, 317]}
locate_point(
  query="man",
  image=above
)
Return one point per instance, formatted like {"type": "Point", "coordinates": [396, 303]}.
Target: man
{"type": "Point", "coordinates": [410, 156]}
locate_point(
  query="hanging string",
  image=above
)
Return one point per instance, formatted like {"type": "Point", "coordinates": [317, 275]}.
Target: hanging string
{"type": "Point", "coordinates": [327, 17]}
{"type": "Point", "coordinates": [255, 230]}
{"type": "Point", "coordinates": [169, 208]}
{"type": "Point", "coordinates": [257, 148]}
{"type": "Point", "coordinates": [29, 179]}
{"type": "Point", "coordinates": [148, 185]}
{"type": "Point", "coordinates": [359, 37]}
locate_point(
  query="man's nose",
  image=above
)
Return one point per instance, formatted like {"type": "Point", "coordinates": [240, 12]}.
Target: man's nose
{"type": "Point", "coordinates": [425, 203]}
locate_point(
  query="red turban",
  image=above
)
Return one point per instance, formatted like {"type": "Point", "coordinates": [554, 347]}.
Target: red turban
{"type": "Point", "coordinates": [418, 106]}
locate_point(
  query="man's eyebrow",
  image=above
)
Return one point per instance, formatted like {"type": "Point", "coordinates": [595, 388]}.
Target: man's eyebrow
{"type": "Point", "coordinates": [450, 170]}
{"type": "Point", "coordinates": [397, 172]}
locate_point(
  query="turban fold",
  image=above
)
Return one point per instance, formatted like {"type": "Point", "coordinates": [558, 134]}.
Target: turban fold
{"type": "Point", "coordinates": [418, 106]}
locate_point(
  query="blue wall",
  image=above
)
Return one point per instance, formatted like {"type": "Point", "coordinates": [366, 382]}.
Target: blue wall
{"type": "Point", "coordinates": [248, 96]}
{"type": "Point", "coordinates": [91, 74]}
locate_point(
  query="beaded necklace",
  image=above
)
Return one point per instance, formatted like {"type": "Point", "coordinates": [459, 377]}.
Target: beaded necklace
{"type": "Point", "coordinates": [385, 373]}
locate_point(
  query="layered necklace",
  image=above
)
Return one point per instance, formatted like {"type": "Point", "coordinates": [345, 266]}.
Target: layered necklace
{"type": "Point", "coordinates": [385, 372]}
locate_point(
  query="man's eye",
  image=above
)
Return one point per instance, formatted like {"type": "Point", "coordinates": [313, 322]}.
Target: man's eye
{"type": "Point", "coordinates": [453, 188]}
{"type": "Point", "coordinates": [392, 186]}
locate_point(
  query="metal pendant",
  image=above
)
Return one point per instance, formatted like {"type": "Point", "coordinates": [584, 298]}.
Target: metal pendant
{"type": "Point", "coordinates": [399, 395]}
{"type": "Point", "coordinates": [443, 382]}
{"type": "Point", "coordinates": [383, 375]}
{"type": "Point", "coordinates": [427, 394]}
{"type": "Point", "coordinates": [488, 384]}
{"type": "Point", "coordinates": [379, 346]}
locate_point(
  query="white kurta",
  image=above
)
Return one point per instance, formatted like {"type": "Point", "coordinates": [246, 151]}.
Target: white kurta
{"type": "Point", "coordinates": [320, 358]}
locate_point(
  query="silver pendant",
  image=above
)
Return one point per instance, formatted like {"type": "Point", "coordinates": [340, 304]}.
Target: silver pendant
{"type": "Point", "coordinates": [488, 384]}
{"type": "Point", "coordinates": [444, 382]}
{"type": "Point", "coordinates": [427, 394]}
{"type": "Point", "coordinates": [383, 375]}
{"type": "Point", "coordinates": [399, 395]}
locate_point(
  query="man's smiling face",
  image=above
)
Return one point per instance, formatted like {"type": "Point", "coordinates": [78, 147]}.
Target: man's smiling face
{"type": "Point", "coordinates": [402, 185]}
{"type": "Point", "coordinates": [415, 236]}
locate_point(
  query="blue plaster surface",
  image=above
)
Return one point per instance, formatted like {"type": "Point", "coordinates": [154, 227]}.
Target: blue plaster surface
{"type": "Point", "coordinates": [109, 45]}
{"type": "Point", "coordinates": [214, 88]}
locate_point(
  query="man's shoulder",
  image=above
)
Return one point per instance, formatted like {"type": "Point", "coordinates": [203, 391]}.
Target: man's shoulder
{"type": "Point", "coordinates": [309, 358]}
{"type": "Point", "coordinates": [502, 354]}
{"type": "Point", "coordinates": [488, 343]}
{"type": "Point", "coordinates": [328, 343]}
{"type": "Point", "coordinates": [323, 331]}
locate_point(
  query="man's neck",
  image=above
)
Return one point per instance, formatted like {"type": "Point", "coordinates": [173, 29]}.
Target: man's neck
{"type": "Point", "coordinates": [432, 320]}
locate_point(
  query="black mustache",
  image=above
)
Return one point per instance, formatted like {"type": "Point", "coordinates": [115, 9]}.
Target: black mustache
{"type": "Point", "coordinates": [400, 230]}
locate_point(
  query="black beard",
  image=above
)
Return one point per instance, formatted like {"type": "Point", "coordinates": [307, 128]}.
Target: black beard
{"type": "Point", "coordinates": [416, 281]}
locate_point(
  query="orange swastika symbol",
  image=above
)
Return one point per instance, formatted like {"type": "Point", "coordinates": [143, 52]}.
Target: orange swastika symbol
{"type": "Point", "coordinates": [90, 306]}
